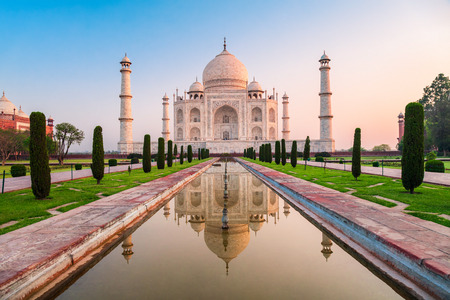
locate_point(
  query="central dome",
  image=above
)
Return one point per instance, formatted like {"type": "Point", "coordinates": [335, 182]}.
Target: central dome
{"type": "Point", "coordinates": [225, 71]}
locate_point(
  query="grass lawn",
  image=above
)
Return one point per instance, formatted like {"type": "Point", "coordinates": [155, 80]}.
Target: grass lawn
{"type": "Point", "coordinates": [21, 205]}
{"type": "Point", "coordinates": [426, 203]}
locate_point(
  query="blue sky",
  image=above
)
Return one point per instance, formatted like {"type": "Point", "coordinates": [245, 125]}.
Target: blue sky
{"type": "Point", "coordinates": [62, 58]}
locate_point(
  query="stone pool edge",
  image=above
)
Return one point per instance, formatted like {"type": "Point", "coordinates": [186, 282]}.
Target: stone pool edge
{"type": "Point", "coordinates": [369, 245]}
{"type": "Point", "coordinates": [25, 282]}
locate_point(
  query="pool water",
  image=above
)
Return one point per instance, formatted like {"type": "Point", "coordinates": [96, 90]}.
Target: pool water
{"type": "Point", "coordinates": [269, 251]}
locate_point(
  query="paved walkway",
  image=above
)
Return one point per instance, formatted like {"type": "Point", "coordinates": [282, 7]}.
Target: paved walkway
{"type": "Point", "coordinates": [31, 256]}
{"type": "Point", "coordinates": [430, 177]}
{"type": "Point", "coordinates": [400, 238]}
{"type": "Point", "coordinates": [24, 182]}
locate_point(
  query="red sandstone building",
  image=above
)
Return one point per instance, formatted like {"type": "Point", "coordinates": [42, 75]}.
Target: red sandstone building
{"type": "Point", "coordinates": [13, 118]}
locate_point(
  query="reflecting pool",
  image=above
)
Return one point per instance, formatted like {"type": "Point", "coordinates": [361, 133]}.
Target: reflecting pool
{"type": "Point", "coordinates": [268, 252]}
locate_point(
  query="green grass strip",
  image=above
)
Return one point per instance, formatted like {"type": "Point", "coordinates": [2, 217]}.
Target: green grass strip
{"type": "Point", "coordinates": [427, 198]}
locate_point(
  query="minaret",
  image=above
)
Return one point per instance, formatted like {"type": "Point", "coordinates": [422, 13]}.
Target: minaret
{"type": "Point", "coordinates": [127, 246]}
{"type": "Point", "coordinates": [326, 128]}
{"type": "Point", "coordinates": [326, 246]}
{"type": "Point", "coordinates": [401, 126]}
{"type": "Point", "coordinates": [126, 129]}
{"type": "Point", "coordinates": [285, 117]}
{"type": "Point", "coordinates": [165, 125]}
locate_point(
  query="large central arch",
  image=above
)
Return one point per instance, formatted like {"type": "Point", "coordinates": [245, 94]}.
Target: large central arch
{"type": "Point", "coordinates": [226, 126]}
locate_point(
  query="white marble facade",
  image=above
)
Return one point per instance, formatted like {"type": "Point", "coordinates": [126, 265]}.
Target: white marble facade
{"type": "Point", "coordinates": [225, 113]}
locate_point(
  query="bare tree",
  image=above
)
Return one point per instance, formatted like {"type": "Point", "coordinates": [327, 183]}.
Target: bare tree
{"type": "Point", "coordinates": [66, 134]}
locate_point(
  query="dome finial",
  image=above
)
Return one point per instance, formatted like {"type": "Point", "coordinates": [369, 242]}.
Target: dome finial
{"type": "Point", "coordinates": [196, 79]}
{"type": "Point", "coordinates": [3, 93]}
{"type": "Point", "coordinates": [224, 43]}
{"type": "Point", "coordinates": [253, 78]}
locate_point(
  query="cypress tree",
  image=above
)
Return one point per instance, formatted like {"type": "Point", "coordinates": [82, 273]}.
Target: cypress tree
{"type": "Point", "coordinates": [277, 152]}
{"type": "Point", "coordinates": [307, 149]}
{"type": "Point", "coordinates": [294, 154]}
{"type": "Point", "coordinates": [40, 170]}
{"type": "Point", "coordinates": [269, 153]}
{"type": "Point", "coordinates": [199, 154]}
{"type": "Point", "coordinates": [413, 147]}
{"type": "Point", "coordinates": [283, 152]}
{"type": "Point", "coordinates": [175, 153]}
{"type": "Point", "coordinates": [263, 152]}
{"type": "Point", "coordinates": [245, 152]}
{"type": "Point", "coordinates": [147, 155]}
{"type": "Point", "coordinates": [169, 153]}
{"type": "Point", "coordinates": [189, 154]}
{"type": "Point", "coordinates": [254, 155]}
{"type": "Point", "coordinates": [356, 156]}
{"type": "Point", "coordinates": [207, 153]}
{"type": "Point", "coordinates": [161, 153]}
{"type": "Point", "coordinates": [98, 155]}
{"type": "Point", "coordinates": [260, 153]}
{"type": "Point", "coordinates": [203, 153]}
{"type": "Point", "coordinates": [181, 155]}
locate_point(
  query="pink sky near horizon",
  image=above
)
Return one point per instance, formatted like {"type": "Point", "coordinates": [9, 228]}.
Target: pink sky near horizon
{"type": "Point", "coordinates": [383, 53]}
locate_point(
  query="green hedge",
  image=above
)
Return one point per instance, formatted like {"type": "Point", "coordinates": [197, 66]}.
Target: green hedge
{"type": "Point", "coordinates": [376, 164]}
{"type": "Point", "coordinates": [134, 160]}
{"type": "Point", "coordinates": [319, 159]}
{"type": "Point", "coordinates": [78, 167]}
{"type": "Point", "coordinates": [18, 170]}
{"type": "Point", "coordinates": [435, 166]}
{"type": "Point", "coordinates": [112, 162]}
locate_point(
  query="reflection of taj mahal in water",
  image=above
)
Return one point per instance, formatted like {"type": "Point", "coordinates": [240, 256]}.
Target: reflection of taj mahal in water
{"type": "Point", "coordinates": [250, 204]}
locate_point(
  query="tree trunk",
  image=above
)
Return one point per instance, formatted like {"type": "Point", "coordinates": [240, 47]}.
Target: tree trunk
{"type": "Point", "coordinates": [98, 181]}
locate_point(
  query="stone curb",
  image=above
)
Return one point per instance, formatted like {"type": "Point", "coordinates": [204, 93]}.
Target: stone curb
{"type": "Point", "coordinates": [115, 213]}
{"type": "Point", "coordinates": [420, 262]}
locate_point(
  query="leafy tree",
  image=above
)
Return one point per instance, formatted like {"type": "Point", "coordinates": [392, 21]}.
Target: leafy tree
{"type": "Point", "coordinates": [98, 155]}
{"type": "Point", "coordinates": [277, 152]}
{"type": "Point", "coordinates": [436, 103]}
{"type": "Point", "coordinates": [40, 170]}
{"type": "Point", "coordinates": [356, 156]}
{"type": "Point", "coordinates": [11, 141]}
{"type": "Point", "coordinates": [413, 148]}
{"type": "Point", "coordinates": [181, 155]}
{"type": "Point", "coordinates": [283, 152]}
{"type": "Point", "coordinates": [382, 147]}
{"type": "Point", "coordinates": [294, 154]}
{"type": "Point", "coordinates": [147, 154]}
{"type": "Point", "coordinates": [161, 153]}
{"type": "Point", "coordinates": [189, 154]}
{"type": "Point", "coordinates": [307, 149]}
{"type": "Point", "coordinates": [169, 153]}
{"type": "Point", "coordinates": [65, 135]}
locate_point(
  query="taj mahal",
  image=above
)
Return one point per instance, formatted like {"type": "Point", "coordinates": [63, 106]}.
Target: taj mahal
{"type": "Point", "coordinates": [224, 112]}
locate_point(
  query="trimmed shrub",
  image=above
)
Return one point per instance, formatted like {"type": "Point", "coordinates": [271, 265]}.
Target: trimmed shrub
{"type": "Point", "coordinates": [435, 166]}
{"type": "Point", "coordinates": [283, 152]}
{"type": "Point", "coordinates": [189, 154]}
{"type": "Point", "coordinates": [431, 155]}
{"type": "Point", "coordinates": [147, 157]}
{"type": "Point", "coordinates": [169, 153]}
{"type": "Point", "coordinates": [78, 167]}
{"type": "Point", "coordinates": [299, 154]}
{"type": "Point", "coordinates": [376, 164]}
{"type": "Point", "coordinates": [18, 170]}
{"type": "Point", "coordinates": [182, 155]}
{"type": "Point", "coordinates": [413, 147]}
{"type": "Point", "coordinates": [294, 154]}
{"type": "Point", "coordinates": [277, 152]}
{"type": "Point", "coordinates": [307, 149]}
{"type": "Point", "coordinates": [134, 160]}
{"type": "Point", "coordinates": [161, 154]}
{"type": "Point", "coordinates": [39, 168]}
{"type": "Point", "coordinates": [341, 161]}
{"type": "Point", "coordinates": [112, 162]}
{"type": "Point", "coordinates": [132, 155]}
{"type": "Point", "coordinates": [356, 155]}
{"type": "Point", "coordinates": [323, 154]}
{"type": "Point", "coordinates": [319, 159]}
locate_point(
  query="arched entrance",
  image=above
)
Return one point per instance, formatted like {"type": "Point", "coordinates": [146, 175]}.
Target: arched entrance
{"type": "Point", "coordinates": [226, 125]}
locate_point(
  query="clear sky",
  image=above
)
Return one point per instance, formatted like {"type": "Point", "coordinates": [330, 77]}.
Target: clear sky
{"type": "Point", "coordinates": [62, 58]}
